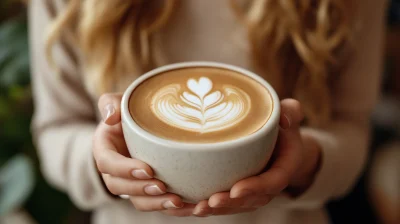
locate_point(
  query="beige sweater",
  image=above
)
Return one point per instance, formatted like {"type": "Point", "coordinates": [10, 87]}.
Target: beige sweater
{"type": "Point", "coordinates": [66, 117]}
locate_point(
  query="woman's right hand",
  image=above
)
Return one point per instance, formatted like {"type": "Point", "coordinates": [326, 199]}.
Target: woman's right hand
{"type": "Point", "coordinates": [122, 174]}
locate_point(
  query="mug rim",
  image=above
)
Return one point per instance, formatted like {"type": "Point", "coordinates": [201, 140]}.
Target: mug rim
{"type": "Point", "coordinates": [268, 127]}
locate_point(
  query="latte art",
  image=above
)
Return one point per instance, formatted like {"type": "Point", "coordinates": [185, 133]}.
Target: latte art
{"type": "Point", "coordinates": [200, 105]}
{"type": "Point", "coordinates": [201, 110]}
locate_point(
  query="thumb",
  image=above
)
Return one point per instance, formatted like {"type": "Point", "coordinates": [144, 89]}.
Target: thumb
{"type": "Point", "coordinates": [110, 108]}
{"type": "Point", "coordinates": [291, 114]}
{"type": "Point", "coordinates": [286, 156]}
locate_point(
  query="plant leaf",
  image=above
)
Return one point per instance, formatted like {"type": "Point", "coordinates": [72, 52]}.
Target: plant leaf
{"type": "Point", "coordinates": [16, 72]}
{"type": "Point", "coordinates": [16, 182]}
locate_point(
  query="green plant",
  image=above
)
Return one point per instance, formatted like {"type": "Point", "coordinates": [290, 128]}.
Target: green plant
{"type": "Point", "coordinates": [15, 103]}
{"type": "Point", "coordinates": [17, 153]}
{"type": "Point", "coordinates": [16, 181]}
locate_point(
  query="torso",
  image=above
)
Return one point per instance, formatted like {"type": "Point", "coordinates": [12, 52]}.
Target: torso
{"type": "Point", "coordinates": [206, 30]}
{"type": "Point", "coordinates": [201, 30]}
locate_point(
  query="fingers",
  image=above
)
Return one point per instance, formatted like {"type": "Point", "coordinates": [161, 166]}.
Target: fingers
{"type": "Point", "coordinates": [109, 161]}
{"type": "Point", "coordinates": [123, 175]}
{"type": "Point", "coordinates": [232, 206]}
{"type": "Point", "coordinates": [261, 201]}
{"type": "Point", "coordinates": [287, 156]}
{"type": "Point", "coordinates": [156, 203]}
{"type": "Point", "coordinates": [230, 211]}
{"type": "Point", "coordinates": [118, 186]}
{"type": "Point", "coordinates": [291, 113]}
{"type": "Point", "coordinates": [202, 209]}
{"type": "Point", "coordinates": [110, 108]}
{"type": "Point", "coordinates": [223, 199]}
{"type": "Point", "coordinates": [186, 210]}
{"type": "Point", "coordinates": [128, 176]}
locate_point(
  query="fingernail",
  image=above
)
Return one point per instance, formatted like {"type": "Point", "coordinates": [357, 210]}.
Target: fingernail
{"type": "Point", "coordinates": [153, 190]}
{"type": "Point", "coordinates": [202, 212]}
{"type": "Point", "coordinates": [198, 211]}
{"type": "Point", "coordinates": [217, 203]}
{"type": "Point", "coordinates": [286, 125]}
{"type": "Point", "coordinates": [108, 111]}
{"type": "Point", "coordinates": [169, 205]}
{"type": "Point", "coordinates": [240, 194]}
{"type": "Point", "coordinates": [213, 203]}
{"type": "Point", "coordinates": [141, 174]}
{"type": "Point", "coordinates": [124, 196]}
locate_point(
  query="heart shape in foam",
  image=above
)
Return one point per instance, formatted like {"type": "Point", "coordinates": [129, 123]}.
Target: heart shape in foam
{"type": "Point", "coordinates": [202, 111]}
{"type": "Point", "coordinates": [200, 88]}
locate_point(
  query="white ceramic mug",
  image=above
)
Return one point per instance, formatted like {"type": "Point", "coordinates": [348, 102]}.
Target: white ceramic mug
{"type": "Point", "coordinates": [196, 171]}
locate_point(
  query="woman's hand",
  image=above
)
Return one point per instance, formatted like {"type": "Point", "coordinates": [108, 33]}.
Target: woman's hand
{"type": "Point", "coordinates": [123, 175]}
{"type": "Point", "coordinates": [294, 163]}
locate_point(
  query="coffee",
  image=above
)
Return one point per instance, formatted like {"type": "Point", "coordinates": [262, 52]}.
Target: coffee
{"type": "Point", "coordinates": [200, 105]}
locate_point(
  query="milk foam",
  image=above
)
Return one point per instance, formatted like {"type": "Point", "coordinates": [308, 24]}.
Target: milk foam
{"type": "Point", "coordinates": [200, 105]}
{"type": "Point", "coordinates": [202, 108]}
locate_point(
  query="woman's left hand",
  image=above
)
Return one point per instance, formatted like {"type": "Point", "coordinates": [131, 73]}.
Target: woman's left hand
{"type": "Point", "coordinates": [294, 164]}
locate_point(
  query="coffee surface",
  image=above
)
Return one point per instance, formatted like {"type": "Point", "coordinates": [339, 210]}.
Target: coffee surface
{"type": "Point", "coordinates": [200, 105]}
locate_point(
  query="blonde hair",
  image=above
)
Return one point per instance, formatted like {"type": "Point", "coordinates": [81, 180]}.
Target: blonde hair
{"type": "Point", "coordinates": [296, 44]}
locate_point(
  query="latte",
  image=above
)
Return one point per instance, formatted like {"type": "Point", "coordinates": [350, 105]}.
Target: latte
{"type": "Point", "coordinates": [200, 105]}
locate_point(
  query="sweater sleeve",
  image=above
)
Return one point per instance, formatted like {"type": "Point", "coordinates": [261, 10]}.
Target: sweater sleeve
{"type": "Point", "coordinates": [344, 142]}
{"type": "Point", "coordinates": [64, 119]}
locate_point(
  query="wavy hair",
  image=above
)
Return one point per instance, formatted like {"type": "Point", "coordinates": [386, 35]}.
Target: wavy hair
{"type": "Point", "coordinates": [297, 45]}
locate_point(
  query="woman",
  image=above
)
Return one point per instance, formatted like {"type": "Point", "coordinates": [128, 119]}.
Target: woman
{"type": "Point", "coordinates": [324, 53]}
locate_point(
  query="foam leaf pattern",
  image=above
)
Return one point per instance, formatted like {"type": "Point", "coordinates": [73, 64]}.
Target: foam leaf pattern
{"type": "Point", "coordinates": [201, 109]}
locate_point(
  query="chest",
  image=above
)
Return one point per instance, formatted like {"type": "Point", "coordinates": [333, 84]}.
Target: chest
{"type": "Point", "coordinates": [205, 30]}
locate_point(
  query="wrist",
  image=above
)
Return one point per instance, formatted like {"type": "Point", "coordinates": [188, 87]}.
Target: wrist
{"type": "Point", "coordinates": [305, 176]}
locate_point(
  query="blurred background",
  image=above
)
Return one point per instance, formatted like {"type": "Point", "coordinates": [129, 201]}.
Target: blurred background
{"type": "Point", "coordinates": [25, 197]}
